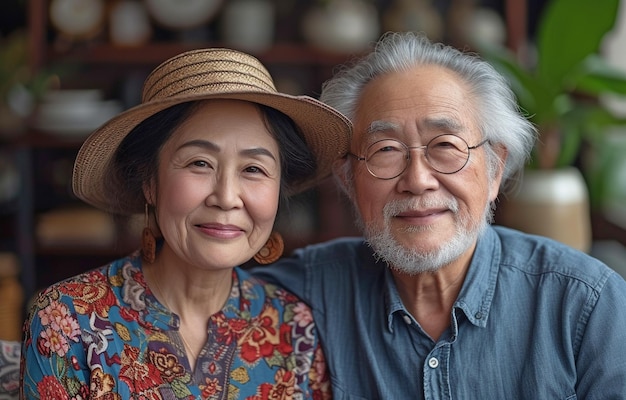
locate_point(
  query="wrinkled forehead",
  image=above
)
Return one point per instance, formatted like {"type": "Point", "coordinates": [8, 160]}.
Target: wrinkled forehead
{"type": "Point", "coordinates": [417, 100]}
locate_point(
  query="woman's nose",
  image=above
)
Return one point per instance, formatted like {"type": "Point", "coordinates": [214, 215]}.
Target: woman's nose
{"type": "Point", "coordinates": [226, 192]}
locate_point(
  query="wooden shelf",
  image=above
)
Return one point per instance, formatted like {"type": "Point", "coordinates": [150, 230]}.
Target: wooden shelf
{"type": "Point", "coordinates": [154, 53]}
{"type": "Point", "coordinates": [36, 139]}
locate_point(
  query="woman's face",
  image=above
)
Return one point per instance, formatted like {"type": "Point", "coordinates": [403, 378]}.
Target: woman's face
{"type": "Point", "coordinates": [218, 186]}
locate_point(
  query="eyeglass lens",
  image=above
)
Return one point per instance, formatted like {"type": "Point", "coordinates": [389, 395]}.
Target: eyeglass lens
{"type": "Point", "coordinates": [388, 158]}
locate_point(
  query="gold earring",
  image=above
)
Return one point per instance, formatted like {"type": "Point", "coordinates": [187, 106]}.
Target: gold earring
{"type": "Point", "coordinates": [272, 250]}
{"type": "Point", "coordinates": [148, 242]}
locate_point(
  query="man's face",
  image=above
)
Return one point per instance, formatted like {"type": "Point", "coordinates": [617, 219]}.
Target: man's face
{"type": "Point", "coordinates": [434, 217]}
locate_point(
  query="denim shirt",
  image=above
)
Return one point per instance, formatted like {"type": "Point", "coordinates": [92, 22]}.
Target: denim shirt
{"type": "Point", "coordinates": [534, 320]}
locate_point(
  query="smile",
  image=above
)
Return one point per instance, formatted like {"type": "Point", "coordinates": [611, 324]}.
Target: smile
{"type": "Point", "coordinates": [221, 231]}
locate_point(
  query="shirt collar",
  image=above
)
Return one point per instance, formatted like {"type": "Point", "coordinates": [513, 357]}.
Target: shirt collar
{"type": "Point", "coordinates": [393, 302]}
{"type": "Point", "coordinates": [477, 291]}
{"type": "Point", "coordinates": [246, 295]}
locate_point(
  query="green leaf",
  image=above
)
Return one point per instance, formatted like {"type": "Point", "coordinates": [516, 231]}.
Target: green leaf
{"type": "Point", "coordinates": [534, 94]}
{"type": "Point", "coordinates": [597, 121]}
{"type": "Point", "coordinates": [596, 76]}
{"type": "Point", "coordinates": [570, 30]}
{"type": "Point", "coordinates": [599, 171]}
{"type": "Point", "coordinates": [560, 92]}
{"type": "Point", "coordinates": [571, 137]}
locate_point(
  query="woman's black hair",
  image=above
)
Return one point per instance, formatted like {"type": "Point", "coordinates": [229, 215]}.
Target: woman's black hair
{"type": "Point", "coordinates": [136, 160]}
{"type": "Point", "coordinates": [297, 162]}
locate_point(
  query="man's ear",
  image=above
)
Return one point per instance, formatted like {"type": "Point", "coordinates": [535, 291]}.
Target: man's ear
{"type": "Point", "coordinates": [501, 153]}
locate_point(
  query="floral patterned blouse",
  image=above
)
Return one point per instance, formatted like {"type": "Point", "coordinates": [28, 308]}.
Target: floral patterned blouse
{"type": "Point", "coordinates": [103, 335]}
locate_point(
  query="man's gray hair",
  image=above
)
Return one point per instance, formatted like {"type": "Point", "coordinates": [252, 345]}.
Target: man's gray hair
{"type": "Point", "coordinates": [498, 115]}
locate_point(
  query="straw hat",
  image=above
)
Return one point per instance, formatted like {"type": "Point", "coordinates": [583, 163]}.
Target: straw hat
{"type": "Point", "coordinates": [207, 74]}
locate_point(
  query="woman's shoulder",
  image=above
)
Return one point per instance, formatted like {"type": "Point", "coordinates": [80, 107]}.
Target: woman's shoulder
{"type": "Point", "coordinates": [257, 290]}
{"type": "Point", "coordinates": [256, 287]}
{"type": "Point", "coordinates": [93, 281]}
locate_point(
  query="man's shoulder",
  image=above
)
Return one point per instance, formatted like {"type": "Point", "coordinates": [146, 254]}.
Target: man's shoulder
{"type": "Point", "coordinates": [333, 250]}
{"type": "Point", "coordinates": [537, 254]}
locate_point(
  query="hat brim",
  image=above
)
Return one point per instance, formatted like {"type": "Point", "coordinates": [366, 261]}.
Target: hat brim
{"type": "Point", "coordinates": [326, 132]}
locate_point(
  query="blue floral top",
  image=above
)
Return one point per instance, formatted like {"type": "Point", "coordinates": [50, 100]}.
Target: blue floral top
{"type": "Point", "coordinates": [103, 335]}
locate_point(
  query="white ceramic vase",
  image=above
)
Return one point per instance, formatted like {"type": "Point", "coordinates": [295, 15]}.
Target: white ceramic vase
{"type": "Point", "coordinates": [552, 203]}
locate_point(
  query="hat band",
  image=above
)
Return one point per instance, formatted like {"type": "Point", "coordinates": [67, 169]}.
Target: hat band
{"type": "Point", "coordinates": [193, 74]}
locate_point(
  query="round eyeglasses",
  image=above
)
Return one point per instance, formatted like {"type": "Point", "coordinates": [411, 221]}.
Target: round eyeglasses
{"type": "Point", "coordinates": [389, 158]}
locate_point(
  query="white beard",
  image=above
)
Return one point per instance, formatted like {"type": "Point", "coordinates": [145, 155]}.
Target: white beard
{"type": "Point", "coordinates": [411, 261]}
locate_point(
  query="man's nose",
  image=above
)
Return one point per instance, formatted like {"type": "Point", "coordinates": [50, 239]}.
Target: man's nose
{"type": "Point", "coordinates": [418, 175]}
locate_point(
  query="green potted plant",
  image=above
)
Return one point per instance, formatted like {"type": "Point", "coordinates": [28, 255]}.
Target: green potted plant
{"type": "Point", "coordinates": [20, 85]}
{"type": "Point", "coordinates": [561, 90]}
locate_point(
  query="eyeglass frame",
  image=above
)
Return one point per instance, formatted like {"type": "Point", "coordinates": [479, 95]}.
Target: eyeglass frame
{"type": "Point", "coordinates": [425, 147]}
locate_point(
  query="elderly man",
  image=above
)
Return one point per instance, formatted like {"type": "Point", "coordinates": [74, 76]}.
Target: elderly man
{"type": "Point", "coordinates": [434, 302]}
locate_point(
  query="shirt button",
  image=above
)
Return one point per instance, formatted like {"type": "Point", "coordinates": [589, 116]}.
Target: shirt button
{"type": "Point", "coordinates": [407, 319]}
{"type": "Point", "coordinates": [433, 362]}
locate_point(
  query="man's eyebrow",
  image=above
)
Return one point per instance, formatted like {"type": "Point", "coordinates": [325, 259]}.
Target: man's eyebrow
{"type": "Point", "coordinates": [382, 126]}
{"type": "Point", "coordinates": [443, 124]}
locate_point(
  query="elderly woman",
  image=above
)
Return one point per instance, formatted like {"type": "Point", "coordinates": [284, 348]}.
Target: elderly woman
{"type": "Point", "coordinates": [207, 156]}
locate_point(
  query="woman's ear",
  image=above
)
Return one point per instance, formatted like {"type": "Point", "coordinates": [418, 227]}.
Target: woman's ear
{"type": "Point", "coordinates": [149, 192]}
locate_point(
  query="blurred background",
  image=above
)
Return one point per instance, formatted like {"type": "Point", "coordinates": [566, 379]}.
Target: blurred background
{"type": "Point", "coordinates": [66, 66]}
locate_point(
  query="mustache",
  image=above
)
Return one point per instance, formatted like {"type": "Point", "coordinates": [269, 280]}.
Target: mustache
{"type": "Point", "coordinates": [395, 207]}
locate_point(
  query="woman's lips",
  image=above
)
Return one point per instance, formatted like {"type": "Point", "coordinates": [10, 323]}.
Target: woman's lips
{"type": "Point", "coordinates": [221, 231]}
